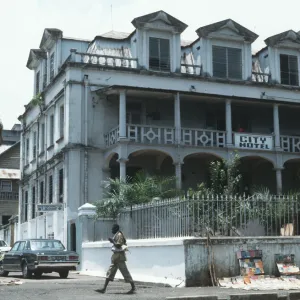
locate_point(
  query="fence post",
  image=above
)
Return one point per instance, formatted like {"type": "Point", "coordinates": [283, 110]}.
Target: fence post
{"type": "Point", "coordinates": [85, 212]}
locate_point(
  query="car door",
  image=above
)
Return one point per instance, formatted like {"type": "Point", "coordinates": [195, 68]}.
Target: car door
{"type": "Point", "coordinates": [18, 255]}
{"type": "Point", "coordinates": [8, 261]}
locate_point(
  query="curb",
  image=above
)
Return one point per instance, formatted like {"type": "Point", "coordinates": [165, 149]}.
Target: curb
{"type": "Point", "coordinates": [193, 298]}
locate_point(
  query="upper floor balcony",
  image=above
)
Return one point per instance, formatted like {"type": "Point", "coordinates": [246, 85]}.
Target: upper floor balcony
{"type": "Point", "coordinates": [9, 196]}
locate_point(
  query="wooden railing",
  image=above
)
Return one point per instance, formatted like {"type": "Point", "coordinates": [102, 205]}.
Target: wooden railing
{"type": "Point", "coordinates": [261, 77]}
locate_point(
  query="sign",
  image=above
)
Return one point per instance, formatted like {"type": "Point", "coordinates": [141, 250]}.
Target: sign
{"type": "Point", "coordinates": [253, 141]}
{"type": "Point", "coordinates": [49, 207]}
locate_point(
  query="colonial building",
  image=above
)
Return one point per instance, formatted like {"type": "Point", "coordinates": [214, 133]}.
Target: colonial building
{"type": "Point", "coordinates": [9, 173]}
{"type": "Point", "coordinates": [153, 101]}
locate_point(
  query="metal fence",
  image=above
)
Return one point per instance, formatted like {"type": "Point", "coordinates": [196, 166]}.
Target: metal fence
{"type": "Point", "coordinates": [195, 216]}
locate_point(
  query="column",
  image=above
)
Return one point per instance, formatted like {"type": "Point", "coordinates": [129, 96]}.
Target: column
{"type": "Point", "coordinates": [177, 118]}
{"type": "Point", "coordinates": [122, 114]}
{"type": "Point", "coordinates": [276, 126]}
{"type": "Point", "coordinates": [228, 124]}
{"type": "Point", "coordinates": [122, 163]}
{"type": "Point", "coordinates": [178, 173]}
{"type": "Point", "coordinates": [278, 181]}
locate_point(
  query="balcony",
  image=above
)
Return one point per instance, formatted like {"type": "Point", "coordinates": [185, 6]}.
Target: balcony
{"type": "Point", "coordinates": [196, 137]}
{"type": "Point", "coordinates": [9, 196]}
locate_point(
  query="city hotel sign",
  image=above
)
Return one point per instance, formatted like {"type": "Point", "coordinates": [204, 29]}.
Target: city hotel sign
{"type": "Point", "coordinates": [253, 141]}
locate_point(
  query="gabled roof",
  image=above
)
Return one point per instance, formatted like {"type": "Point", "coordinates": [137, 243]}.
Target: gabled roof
{"type": "Point", "coordinates": [291, 35]}
{"type": "Point", "coordinates": [248, 35]}
{"type": "Point", "coordinates": [117, 35]}
{"type": "Point", "coordinates": [50, 34]}
{"type": "Point", "coordinates": [159, 16]}
{"type": "Point", "coordinates": [34, 56]}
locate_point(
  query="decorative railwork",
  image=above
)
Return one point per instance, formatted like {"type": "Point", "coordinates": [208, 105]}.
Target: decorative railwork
{"type": "Point", "coordinates": [151, 134]}
{"type": "Point", "coordinates": [290, 143]}
{"type": "Point", "coordinates": [203, 138]}
{"type": "Point", "coordinates": [261, 77]}
{"type": "Point", "coordinates": [112, 137]}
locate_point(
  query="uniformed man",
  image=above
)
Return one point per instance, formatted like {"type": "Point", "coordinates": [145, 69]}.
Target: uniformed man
{"type": "Point", "coordinates": [118, 260]}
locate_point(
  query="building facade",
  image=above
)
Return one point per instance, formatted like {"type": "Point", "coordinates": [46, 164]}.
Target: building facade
{"type": "Point", "coordinates": [153, 101]}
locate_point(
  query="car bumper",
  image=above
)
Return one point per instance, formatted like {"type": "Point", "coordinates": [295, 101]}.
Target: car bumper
{"type": "Point", "coordinates": [56, 266]}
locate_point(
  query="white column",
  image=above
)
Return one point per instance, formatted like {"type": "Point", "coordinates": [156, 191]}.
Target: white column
{"type": "Point", "coordinates": [177, 118]}
{"type": "Point", "coordinates": [278, 181]}
{"type": "Point", "coordinates": [228, 123]}
{"type": "Point", "coordinates": [276, 126]}
{"type": "Point", "coordinates": [122, 163]}
{"type": "Point", "coordinates": [122, 114]}
{"type": "Point", "coordinates": [178, 173]}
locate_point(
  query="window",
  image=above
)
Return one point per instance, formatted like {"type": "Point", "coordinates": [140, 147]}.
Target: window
{"type": "Point", "coordinates": [21, 246]}
{"type": "Point", "coordinates": [26, 207]}
{"type": "Point", "coordinates": [43, 138]}
{"type": "Point", "coordinates": [227, 62]}
{"type": "Point", "coordinates": [52, 66]}
{"type": "Point", "coordinates": [159, 54]}
{"type": "Point", "coordinates": [61, 121]}
{"type": "Point", "coordinates": [6, 185]}
{"type": "Point", "coordinates": [50, 183]}
{"type": "Point", "coordinates": [51, 130]}
{"type": "Point", "coordinates": [27, 152]}
{"type": "Point", "coordinates": [61, 185]}
{"type": "Point", "coordinates": [42, 192]}
{"type": "Point", "coordinates": [33, 203]}
{"type": "Point", "coordinates": [45, 73]}
{"type": "Point", "coordinates": [5, 220]}
{"type": "Point", "coordinates": [15, 246]}
{"type": "Point", "coordinates": [37, 82]}
{"type": "Point", "coordinates": [34, 145]}
{"type": "Point", "coordinates": [289, 69]}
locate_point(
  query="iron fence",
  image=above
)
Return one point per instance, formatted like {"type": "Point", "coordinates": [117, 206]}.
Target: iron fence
{"type": "Point", "coordinates": [220, 216]}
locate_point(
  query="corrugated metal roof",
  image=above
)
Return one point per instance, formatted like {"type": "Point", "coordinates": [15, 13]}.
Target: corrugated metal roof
{"type": "Point", "coordinates": [116, 35]}
{"type": "Point", "coordinates": [9, 174]}
{"type": "Point", "coordinates": [4, 148]}
{"type": "Point", "coordinates": [185, 43]}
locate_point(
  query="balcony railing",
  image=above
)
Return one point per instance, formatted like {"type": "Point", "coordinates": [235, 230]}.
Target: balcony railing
{"type": "Point", "coordinates": [9, 195]}
{"type": "Point", "coordinates": [261, 77]}
{"type": "Point", "coordinates": [112, 137]}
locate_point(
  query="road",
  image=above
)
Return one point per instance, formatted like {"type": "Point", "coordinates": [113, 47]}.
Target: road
{"type": "Point", "coordinates": [78, 287]}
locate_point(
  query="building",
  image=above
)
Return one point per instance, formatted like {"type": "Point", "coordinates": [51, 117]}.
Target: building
{"type": "Point", "coordinates": [9, 173]}
{"type": "Point", "coordinates": [151, 100]}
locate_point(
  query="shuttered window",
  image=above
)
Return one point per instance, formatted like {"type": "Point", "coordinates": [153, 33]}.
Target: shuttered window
{"type": "Point", "coordinates": [61, 185]}
{"type": "Point", "coordinates": [45, 73]}
{"type": "Point", "coordinates": [33, 203]}
{"type": "Point", "coordinates": [26, 207]}
{"type": "Point", "coordinates": [289, 69]}
{"type": "Point", "coordinates": [61, 121]}
{"type": "Point", "coordinates": [42, 192]}
{"type": "Point", "coordinates": [159, 54]}
{"type": "Point", "coordinates": [51, 130]}
{"type": "Point", "coordinates": [227, 62]}
{"type": "Point", "coordinates": [37, 82]}
{"type": "Point", "coordinates": [34, 144]}
{"type": "Point", "coordinates": [52, 66]}
{"type": "Point", "coordinates": [50, 183]}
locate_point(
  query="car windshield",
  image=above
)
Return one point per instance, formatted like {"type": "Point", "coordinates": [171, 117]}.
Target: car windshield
{"type": "Point", "coordinates": [46, 245]}
{"type": "Point", "coordinates": [3, 244]}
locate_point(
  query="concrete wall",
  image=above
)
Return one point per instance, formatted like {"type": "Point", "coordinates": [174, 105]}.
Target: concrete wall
{"type": "Point", "coordinates": [160, 260]}
{"type": "Point", "coordinates": [226, 263]}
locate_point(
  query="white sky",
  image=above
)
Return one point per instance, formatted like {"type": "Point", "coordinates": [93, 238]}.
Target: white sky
{"type": "Point", "coordinates": [22, 23]}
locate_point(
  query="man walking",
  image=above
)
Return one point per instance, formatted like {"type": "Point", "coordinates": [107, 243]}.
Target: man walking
{"type": "Point", "coordinates": [118, 260]}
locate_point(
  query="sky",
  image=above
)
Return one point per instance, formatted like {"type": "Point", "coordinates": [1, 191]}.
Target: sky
{"type": "Point", "coordinates": [22, 23]}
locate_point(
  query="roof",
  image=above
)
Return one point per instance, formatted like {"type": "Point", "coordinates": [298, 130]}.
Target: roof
{"type": "Point", "coordinates": [286, 35]}
{"type": "Point", "coordinates": [10, 174]}
{"type": "Point", "coordinates": [161, 16]}
{"type": "Point", "coordinates": [185, 43]}
{"type": "Point", "coordinates": [34, 56]}
{"type": "Point", "coordinates": [3, 148]}
{"type": "Point", "coordinates": [116, 35]}
{"type": "Point", "coordinates": [248, 35]}
{"type": "Point", "coordinates": [50, 34]}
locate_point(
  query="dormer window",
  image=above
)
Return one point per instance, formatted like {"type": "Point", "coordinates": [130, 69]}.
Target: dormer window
{"type": "Point", "coordinates": [227, 62]}
{"type": "Point", "coordinates": [159, 54]}
{"type": "Point", "coordinates": [289, 69]}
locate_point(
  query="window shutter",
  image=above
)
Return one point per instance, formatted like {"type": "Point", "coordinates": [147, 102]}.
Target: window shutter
{"type": "Point", "coordinates": [289, 69]}
{"type": "Point", "coordinates": [234, 63]}
{"type": "Point", "coordinates": [293, 68]}
{"type": "Point", "coordinates": [219, 62]}
{"type": "Point", "coordinates": [159, 54]}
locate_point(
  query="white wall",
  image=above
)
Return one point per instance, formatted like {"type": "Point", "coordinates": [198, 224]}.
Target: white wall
{"type": "Point", "coordinates": [160, 260]}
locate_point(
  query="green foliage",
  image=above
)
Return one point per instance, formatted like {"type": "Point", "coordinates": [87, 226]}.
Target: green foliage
{"type": "Point", "coordinates": [38, 100]}
{"type": "Point", "coordinates": [132, 191]}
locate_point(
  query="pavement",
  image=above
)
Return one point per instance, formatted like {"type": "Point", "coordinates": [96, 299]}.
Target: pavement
{"type": "Point", "coordinates": [51, 287]}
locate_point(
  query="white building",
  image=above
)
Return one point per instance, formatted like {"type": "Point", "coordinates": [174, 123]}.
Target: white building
{"type": "Point", "coordinates": [150, 100]}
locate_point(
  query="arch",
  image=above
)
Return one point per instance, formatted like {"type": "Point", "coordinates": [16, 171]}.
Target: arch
{"type": "Point", "coordinates": [218, 155]}
{"type": "Point", "coordinates": [108, 157]}
{"type": "Point", "coordinates": [139, 150]}
{"type": "Point", "coordinates": [291, 160]}
{"type": "Point", "coordinates": [263, 157]}
{"type": "Point", "coordinates": [291, 175]}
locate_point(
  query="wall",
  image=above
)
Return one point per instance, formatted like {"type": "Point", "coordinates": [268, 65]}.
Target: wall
{"type": "Point", "coordinates": [160, 260]}
{"type": "Point", "coordinates": [226, 263]}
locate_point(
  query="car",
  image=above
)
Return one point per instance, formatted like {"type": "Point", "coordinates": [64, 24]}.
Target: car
{"type": "Point", "coordinates": [4, 247]}
{"type": "Point", "coordinates": [38, 256]}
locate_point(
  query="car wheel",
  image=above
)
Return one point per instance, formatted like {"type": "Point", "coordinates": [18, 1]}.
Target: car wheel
{"type": "Point", "coordinates": [2, 272]}
{"type": "Point", "coordinates": [38, 275]}
{"type": "Point", "coordinates": [64, 274]}
{"type": "Point", "coordinates": [26, 273]}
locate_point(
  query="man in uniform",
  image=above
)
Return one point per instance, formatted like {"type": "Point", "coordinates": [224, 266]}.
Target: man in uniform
{"type": "Point", "coordinates": [118, 260]}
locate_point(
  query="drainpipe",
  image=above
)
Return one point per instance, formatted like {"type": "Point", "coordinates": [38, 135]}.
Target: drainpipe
{"type": "Point", "coordinates": [86, 139]}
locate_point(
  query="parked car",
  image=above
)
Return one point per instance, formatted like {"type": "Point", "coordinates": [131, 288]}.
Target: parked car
{"type": "Point", "coordinates": [39, 256]}
{"type": "Point", "coordinates": [4, 247]}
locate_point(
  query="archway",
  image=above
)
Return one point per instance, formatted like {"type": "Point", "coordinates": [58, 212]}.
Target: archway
{"type": "Point", "coordinates": [291, 176]}
{"type": "Point", "coordinates": [257, 172]}
{"type": "Point", "coordinates": [195, 169]}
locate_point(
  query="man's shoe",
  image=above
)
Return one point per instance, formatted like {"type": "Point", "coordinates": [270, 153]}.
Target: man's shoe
{"type": "Point", "coordinates": [132, 291]}
{"type": "Point", "coordinates": [102, 291]}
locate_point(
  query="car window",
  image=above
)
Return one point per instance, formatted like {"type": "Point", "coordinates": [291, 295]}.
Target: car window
{"type": "Point", "coordinates": [15, 246]}
{"type": "Point", "coordinates": [21, 246]}
{"type": "Point", "coordinates": [3, 244]}
{"type": "Point", "coordinates": [47, 244]}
